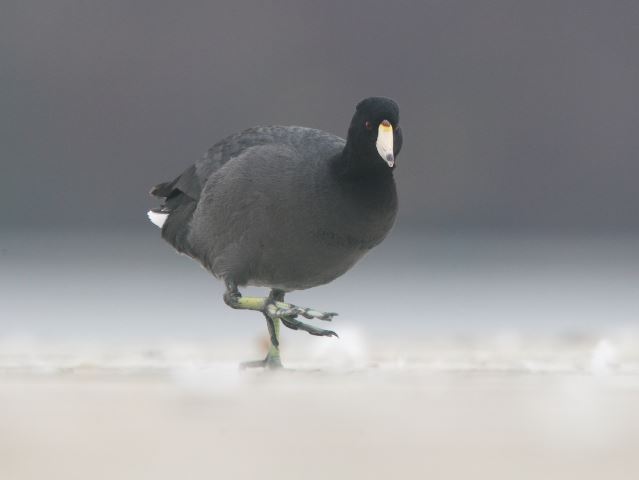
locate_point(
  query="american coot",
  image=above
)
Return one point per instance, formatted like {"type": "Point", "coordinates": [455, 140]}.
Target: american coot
{"type": "Point", "coordinates": [286, 208]}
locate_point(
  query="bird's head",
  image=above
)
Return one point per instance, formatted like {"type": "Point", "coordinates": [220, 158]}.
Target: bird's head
{"type": "Point", "coordinates": [374, 130]}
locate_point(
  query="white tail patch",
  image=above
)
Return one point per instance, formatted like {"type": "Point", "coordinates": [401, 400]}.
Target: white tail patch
{"type": "Point", "coordinates": [157, 218]}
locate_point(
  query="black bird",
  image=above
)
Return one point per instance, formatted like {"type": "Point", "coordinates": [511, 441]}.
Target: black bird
{"type": "Point", "coordinates": [287, 208]}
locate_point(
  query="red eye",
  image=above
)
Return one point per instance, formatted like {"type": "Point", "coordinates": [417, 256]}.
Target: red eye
{"type": "Point", "coordinates": [368, 125]}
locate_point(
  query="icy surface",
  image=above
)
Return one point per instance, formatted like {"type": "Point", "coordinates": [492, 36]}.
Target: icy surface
{"type": "Point", "coordinates": [501, 407]}
{"type": "Point", "coordinates": [458, 358]}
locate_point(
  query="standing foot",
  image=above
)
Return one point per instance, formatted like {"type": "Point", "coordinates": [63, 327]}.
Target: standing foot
{"type": "Point", "coordinates": [272, 362]}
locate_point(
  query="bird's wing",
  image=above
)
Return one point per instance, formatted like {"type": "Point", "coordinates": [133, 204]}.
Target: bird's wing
{"type": "Point", "coordinates": [192, 180]}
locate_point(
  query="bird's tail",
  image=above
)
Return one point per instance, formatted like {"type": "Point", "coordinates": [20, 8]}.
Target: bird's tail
{"type": "Point", "coordinates": [157, 216]}
{"type": "Point", "coordinates": [174, 215]}
{"type": "Point", "coordinates": [164, 191]}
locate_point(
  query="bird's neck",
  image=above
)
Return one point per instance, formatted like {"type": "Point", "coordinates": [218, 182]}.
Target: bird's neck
{"type": "Point", "coordinates": [353, 163]}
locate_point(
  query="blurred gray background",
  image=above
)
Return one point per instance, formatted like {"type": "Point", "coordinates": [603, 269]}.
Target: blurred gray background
{"type": "Point", "coordinates": [516, 114]}
{"type": "Point", "coordinates": [518, 176]}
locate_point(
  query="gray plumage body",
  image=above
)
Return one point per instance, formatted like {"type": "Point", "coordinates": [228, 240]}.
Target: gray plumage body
{"type": "Point", "coordinates": [282, 207]}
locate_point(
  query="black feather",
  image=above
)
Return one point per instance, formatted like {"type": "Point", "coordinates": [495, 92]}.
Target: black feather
{"type": "Point", "coordinates": [285, 207]}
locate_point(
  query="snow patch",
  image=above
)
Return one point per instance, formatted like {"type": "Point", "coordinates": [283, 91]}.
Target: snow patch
{"type": "Point", "coordinates": [603, 358]}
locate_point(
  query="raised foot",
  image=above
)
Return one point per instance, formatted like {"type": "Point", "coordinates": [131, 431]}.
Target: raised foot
{"type": "Point", "coordinates": [294, 324]}
{"type": "Point", "coordinates": [282, 309]}
{"type": "Point", "coordinates": [273, 307]}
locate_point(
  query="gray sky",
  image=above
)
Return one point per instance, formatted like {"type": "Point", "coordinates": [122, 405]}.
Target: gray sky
{"type": "Point", "coordinates": [515, 114]}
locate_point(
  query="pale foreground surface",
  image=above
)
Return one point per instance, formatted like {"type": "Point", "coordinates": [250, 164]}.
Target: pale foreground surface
{"type": "Point", "coordinates": [502, 407]}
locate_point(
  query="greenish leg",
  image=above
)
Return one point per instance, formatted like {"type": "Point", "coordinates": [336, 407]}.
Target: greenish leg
{"type": "Point", "coordinates": [276, 308]}
{"type": "Point", "coordinates": [276, 311]}
{"type": "Point", "coordinates": [273, 355]}
{"type": "Point", "coordinates": [272, 360]}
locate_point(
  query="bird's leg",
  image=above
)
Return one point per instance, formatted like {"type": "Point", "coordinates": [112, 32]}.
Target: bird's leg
{"type": "Point", "coordinates": [275, 309]}
{"type": "Point", "coordinates": [234, 299]}
{"type": "Point", "coordinates": [272, 306]}
{"type": "Point", "coordinates": [294, 324]}
{"type": "Point", "coordinates": [288, 318]}
{"type": "Point", "coordinates": [272, 359]}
